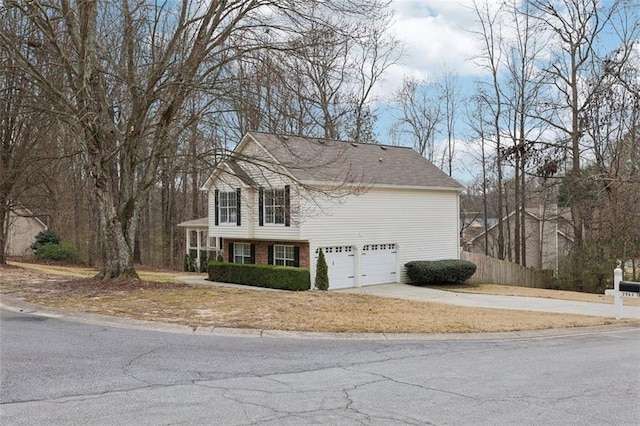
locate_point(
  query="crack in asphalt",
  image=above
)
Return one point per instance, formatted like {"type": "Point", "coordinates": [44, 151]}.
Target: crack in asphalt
{"type": "Point", "coordinates": [271, 376]}
{"type": "Point", "coordinates": [345, 402]}
{"type": "Point", "coordinates": [129, 364]}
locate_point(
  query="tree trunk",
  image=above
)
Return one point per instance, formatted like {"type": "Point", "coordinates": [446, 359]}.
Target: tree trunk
{"type": "Point", "coordinates": [518, 217]}
{"type": "Point", "coordinates": [523, 207]}
{"type": "Point", "coordinates": [118, 236]}
{"type": "Point", "coordinates": [4, 215]}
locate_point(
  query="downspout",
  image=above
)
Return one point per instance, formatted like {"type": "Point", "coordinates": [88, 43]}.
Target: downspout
{"type": "Point", "coordinates": [459, 250]}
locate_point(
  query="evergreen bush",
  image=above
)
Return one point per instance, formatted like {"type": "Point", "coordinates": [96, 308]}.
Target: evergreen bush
{"type": "Point", "coordinates": [44, 237]}
{"type": "Point", "coordinates": [63, 252]}
{"type": "Point", "coordinates": [189, 263]}
{"type": "Point", "coordinates": [322, 273]}
{"type": "Point", "coordinates": [204, 260]}
{"type": "Point", "coordinates": [424, 272]}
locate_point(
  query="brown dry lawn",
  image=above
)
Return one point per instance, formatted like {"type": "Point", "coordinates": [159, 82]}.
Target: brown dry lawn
{"type": "Point", "coordinates": [158, 297]}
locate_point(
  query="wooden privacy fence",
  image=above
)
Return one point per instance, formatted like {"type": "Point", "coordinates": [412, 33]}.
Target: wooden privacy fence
{"type": "Point", "coordinates": [495, 271]}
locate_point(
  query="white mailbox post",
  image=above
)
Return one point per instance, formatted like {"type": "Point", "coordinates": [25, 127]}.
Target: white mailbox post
{"type": "Point", "coordinates": [622, 289]}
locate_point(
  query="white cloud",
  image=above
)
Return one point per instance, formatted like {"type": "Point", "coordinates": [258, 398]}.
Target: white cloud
{"type": "Point", "coordinates": [435, 34]}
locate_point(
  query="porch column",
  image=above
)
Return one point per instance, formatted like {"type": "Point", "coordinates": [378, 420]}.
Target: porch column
{"type": "Point", "coordinates": [188, 240]}
{"type": "Point", "coordinates": [199, 244]}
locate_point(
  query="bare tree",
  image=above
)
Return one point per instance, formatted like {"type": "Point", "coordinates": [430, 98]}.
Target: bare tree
{"type": "Point", "coordinates": [126, 70]}
{"type": "Point", "coordinates": [491, 59]}
{"type": "Point", "coordinates": [523, 83]}
{"type": "Point", "coordinates": [476, 120]}
{"type": "Point", "coordinates": [420, 114]}
{"type": "Point", "coordinates": [450, 95]}
{"type": "Point", "coordinates": [374, 52]}
{"type": "Point", "coordinates": [576, 26]}
{"type": "Point", "coordinates": [23, 127]}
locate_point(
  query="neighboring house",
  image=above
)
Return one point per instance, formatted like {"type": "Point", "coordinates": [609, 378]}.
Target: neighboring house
{"type": "Point", "coordinates": [22, 229]}
{"type": "Point", "coordinates": [370, 208]}
{"type": "Point", "coordinates": [472, 224]}
{"type": "Point", "coordinates": [547, 232]}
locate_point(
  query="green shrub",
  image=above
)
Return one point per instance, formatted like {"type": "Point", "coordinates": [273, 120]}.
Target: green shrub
{"type": "Point", "coordinates": [204, 260]}
{"type": "Point", "coordinates": [322, 273]}
{"type": "Point", "coordinates": [424, 272]}
{"type": "Point", "coordinates": [189, 263]}
{"type": "Point", "coordinates": [269, 276]}
{"type": "Point", "coordinates": [589, 270]}
{"type": "Point", "coordinates": [44, 237]}
{"type": "Point", "coordinates": [63, 252]}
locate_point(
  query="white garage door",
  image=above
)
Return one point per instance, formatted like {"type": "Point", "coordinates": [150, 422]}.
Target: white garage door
{"type": "Point", "coordinates": [379, 264]}
{"type": "Point", "coordinates": [340, 265]}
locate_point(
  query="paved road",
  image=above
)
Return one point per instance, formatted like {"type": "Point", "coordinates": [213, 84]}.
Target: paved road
{"type": "Point", "coordinates": [56, 372]}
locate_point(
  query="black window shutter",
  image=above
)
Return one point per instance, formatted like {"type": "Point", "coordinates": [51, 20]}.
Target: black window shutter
{"type": "Point", "coordinates": [296, 256]}
{"type": "Point", "coordinates": [231, 252]}
{"type": "Point", "coordinates": [270, 255]}
{"type": "Point", "coordinates": [238, 215]}
{"type": "Point", "coordinates": [253, 253]}
{"type": "Point", "coordinates": [216, 205]}
{"type": "Point", "coordinates": [261, 207]}
{"type": "Point", "coordinates": [287, 205]}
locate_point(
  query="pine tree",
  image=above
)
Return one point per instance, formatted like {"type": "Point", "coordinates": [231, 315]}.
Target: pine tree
{"type": "Point", "coordinates": [322, 273]}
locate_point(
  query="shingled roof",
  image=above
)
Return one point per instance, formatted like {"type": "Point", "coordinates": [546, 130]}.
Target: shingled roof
{"type": "Point", "coordinates": [314, 160]}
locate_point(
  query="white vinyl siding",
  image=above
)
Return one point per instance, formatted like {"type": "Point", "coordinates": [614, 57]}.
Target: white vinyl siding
{"type": "Point", "coordinates": [423, 224]}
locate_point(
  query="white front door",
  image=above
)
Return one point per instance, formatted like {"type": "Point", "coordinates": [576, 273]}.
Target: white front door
{"type": "Point", "coordinates": [379, 264]}
{"type": "Point", "coordinates": [340, 266]}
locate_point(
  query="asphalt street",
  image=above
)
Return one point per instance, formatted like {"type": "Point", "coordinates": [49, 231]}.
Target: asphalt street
{"type": "Point", "coordinates": [58, 372]}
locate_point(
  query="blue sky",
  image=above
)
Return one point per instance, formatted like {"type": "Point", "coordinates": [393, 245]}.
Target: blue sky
{"type": "Point", "coordinates": [436, 34]}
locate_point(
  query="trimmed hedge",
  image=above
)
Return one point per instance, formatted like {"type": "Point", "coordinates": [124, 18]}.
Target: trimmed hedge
{"type": "Point", "coordinates": [269, 276]}
{"type": "Point", "coordinates": [425, 272]}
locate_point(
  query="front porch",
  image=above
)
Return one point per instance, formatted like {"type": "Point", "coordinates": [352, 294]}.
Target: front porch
{"type": "Point", "coordinates": [199, 247]}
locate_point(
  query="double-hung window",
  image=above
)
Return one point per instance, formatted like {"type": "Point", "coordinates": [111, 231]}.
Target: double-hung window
{"type": "Point", "coordinates": [284, 255]}
{"type": "Point", "coordinates": [274, 206]}
{"type": "Point", "coordinates": [227, 205]}
{"type": "Point", "coordinates": [242, 253]}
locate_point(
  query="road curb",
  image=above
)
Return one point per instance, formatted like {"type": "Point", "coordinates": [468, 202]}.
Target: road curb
{"type": "Point", "coordinates": [20, 306]}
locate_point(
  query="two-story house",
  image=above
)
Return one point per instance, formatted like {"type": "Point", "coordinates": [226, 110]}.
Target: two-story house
{"type": "Point", "coordinates": [371, 208]}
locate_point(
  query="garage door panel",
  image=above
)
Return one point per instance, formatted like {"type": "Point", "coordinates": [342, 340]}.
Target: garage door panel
{"type": "Point", "coordinates": [340, 266]}
{"type": "Point", "coordinates": [379, 264]}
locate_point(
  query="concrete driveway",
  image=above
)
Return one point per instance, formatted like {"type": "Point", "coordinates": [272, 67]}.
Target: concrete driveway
{"type": "Point", "coordinates": [405, 291]}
